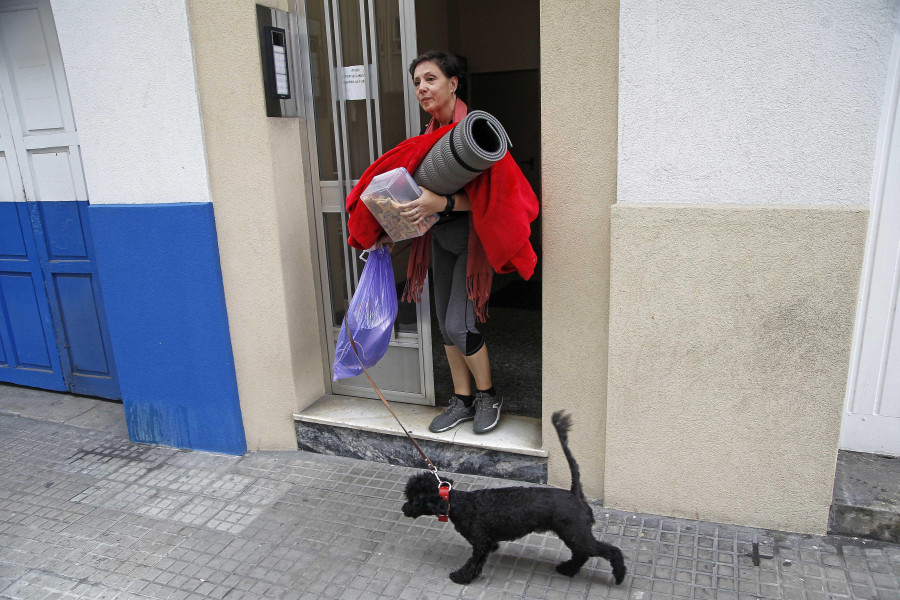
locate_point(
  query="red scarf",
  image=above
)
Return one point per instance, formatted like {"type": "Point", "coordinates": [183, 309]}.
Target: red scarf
{"type": "Point", "coordinates": [503, 207]}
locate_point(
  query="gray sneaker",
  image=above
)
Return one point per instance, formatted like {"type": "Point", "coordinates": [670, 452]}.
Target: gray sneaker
{"type": "Point", "coordinates": [455, 414]}
{"type": "Point", "coordinates": [487, 412]}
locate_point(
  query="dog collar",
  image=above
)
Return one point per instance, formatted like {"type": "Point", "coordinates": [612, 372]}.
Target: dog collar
{"type": "Point", "coordinates": [444, 492]}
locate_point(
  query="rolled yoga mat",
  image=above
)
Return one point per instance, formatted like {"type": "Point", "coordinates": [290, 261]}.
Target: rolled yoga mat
{"type": "Point", "coordinates": [477, 142]}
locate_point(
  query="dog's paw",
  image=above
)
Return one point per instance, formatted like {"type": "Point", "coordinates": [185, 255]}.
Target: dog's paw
{"type": "Point", "coordinates": [461, 576]}
{"type": "Point", "coordinates": [617, 561]}
{"type": "Point", "coordinates": [568, 569]}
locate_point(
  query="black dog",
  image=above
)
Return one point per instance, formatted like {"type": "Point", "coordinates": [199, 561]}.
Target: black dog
{"type": "Point", "coordinates": [486, 517]}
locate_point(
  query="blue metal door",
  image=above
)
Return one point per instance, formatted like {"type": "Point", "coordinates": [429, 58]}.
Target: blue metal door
{"type": "Point", "coordinates": [52, 327]}
{"type": "Point", "coordinates": [28, 350]}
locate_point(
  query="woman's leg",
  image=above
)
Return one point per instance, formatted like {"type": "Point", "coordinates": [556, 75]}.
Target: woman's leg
{"type": "Point", "coordinates": [468, 353]}
{"type": "Point", "coordinates": [454, 311]}
{"type": "Point", "coordinates": [488, 401]}
{"type": "Point", "coordinates": [459, 371]}
{"type": "Point", "coordinates": [463, 368]}
{"type": "Point", "coordinates": [480, 366]}
{"type": "Point", "coordinates": [444, 260]}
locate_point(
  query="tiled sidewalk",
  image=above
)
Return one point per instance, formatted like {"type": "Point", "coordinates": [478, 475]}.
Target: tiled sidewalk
{"type": "Point", "coordinates": [84, 513]}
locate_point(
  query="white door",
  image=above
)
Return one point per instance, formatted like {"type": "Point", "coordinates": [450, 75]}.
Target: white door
{"type": "Point", "coordinates": [872, 413]}
{"type": "Point", "coordinates": [45, 142]}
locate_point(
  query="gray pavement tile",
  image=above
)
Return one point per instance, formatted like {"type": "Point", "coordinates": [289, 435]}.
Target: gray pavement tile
{"type": "Point", "coordinates": [87, 514]}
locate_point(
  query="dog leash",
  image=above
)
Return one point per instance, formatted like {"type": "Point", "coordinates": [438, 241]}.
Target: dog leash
{"type": "Point", "coordinates": [444, 487]}
{"type": "Point", "coordinates": [387, 404]}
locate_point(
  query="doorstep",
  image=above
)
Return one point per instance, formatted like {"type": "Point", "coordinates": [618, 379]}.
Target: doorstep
{"type": "Point", "coordinates": [866, 501]}
{"type": "Point", "coordinates": [363, 428]}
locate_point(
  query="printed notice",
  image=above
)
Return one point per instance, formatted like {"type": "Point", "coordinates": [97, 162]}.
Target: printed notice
{"type": "Point", "coordinates": [355, 82]}
{"type": "Point", "coordinates": [281, 75]}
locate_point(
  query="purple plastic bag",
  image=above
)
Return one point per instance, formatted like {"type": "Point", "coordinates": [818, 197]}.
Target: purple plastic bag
{"type": "Point", "coordinates": [371, 315]}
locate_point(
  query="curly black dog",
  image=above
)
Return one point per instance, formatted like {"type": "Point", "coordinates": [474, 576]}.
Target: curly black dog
{"type": "Point", "coordinates": [487, 517]}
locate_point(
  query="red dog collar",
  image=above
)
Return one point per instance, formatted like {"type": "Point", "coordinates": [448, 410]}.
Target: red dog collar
{"type": "Point", "coordinates": [444, 492]}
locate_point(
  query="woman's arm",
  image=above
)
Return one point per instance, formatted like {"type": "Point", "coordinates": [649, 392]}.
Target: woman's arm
{"type": "Point", "coordinates": [430, 203]}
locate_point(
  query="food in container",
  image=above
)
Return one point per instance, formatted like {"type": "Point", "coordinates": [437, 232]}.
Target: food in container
{"type": "Point", "coordinates": [384, 196]}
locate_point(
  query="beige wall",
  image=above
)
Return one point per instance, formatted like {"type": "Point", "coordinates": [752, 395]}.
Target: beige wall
{"type": "Point", "coordinates": [255, 168]}
{"type": "Point", "coordinates": [579, 52]}
{"type": "Point", "coordinates": [730, 327]}
{"type": "Point", "coordinates": [730, 331]}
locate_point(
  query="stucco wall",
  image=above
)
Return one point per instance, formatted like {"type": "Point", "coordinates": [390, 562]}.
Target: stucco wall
{"type": "Point", "coordinates": [134, 96]}
{"type": "Point", "coordinates": [255, 166]}
{"type": "Point", "coordinates": [760, 103]}
{"type": "Point", "coordinates": [731, 312]}
{"type": "Point", "coordinates": [730, 332]}
{"type": "Point", "coordinates": [579, 69]}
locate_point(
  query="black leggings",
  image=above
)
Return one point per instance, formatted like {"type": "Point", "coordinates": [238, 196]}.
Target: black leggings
{"type": "Point", "coordinates": [455, 314]}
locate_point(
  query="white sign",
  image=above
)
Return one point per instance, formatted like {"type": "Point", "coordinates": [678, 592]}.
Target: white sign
{"type": "Point", "coordinates": [355, 82]}
{"type": "Point", "coordinates": [281, 74]}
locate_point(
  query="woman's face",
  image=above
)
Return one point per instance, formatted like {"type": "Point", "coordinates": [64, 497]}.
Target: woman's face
{"type": "Point", "coordinates": [434, 90]}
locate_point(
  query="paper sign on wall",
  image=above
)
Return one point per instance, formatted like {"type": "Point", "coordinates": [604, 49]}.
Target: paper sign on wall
{"type": "Point", "coordinates": [281, 72]}
{"type": "Point", "coordinates": [355, 82]}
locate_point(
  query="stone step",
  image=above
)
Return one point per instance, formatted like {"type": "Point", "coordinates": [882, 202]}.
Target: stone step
{"type": "Point", "coordinates": [364, 429]}
{"type": "Point", "coordinates": [866, 499]}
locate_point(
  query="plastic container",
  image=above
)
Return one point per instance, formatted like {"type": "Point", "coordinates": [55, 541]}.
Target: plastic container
{"type": "Point", "coordinates": [384, 196]}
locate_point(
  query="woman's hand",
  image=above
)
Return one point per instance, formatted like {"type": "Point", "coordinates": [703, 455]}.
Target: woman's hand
{"type": "Point", "coordinates": [426, 205]}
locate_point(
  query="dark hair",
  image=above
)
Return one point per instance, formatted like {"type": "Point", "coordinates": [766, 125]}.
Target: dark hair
{"type": "Point", "coordinates": [449, 64]}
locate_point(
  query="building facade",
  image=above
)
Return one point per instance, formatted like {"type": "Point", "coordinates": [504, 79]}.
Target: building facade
{"type": "Point", "coordinates": [715, 184]}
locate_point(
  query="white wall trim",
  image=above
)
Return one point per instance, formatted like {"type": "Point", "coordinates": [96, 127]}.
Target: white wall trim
{"type": "Point", "coordinates": [882, 150]}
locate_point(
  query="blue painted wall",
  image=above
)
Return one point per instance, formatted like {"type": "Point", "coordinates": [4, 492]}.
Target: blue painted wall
{"type": "Point", "coordinates": [165, 304]}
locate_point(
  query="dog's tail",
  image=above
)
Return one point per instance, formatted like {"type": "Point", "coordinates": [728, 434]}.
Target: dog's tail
{"type": "Point", "coordinates": [563, 423]}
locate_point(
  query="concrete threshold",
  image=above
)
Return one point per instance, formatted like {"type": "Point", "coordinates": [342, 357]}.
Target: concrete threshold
{"type": "Point", "coordinates": [363, 428]}
{"type": "Point", "coordinates": [866, 499]}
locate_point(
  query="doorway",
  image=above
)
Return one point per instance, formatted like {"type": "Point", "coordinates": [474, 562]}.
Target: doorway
{"type": "Point", "coordinates": [498, 43]}
{"type": "Point", "coordinates": [360, 103]}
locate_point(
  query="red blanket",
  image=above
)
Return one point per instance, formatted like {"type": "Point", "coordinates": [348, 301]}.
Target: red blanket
{"type": "Point", "coordinates": [503, 205]}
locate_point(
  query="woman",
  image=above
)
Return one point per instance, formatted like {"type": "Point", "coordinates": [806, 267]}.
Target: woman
{"type": "Point", "coordinates": [436, 78]}
{"type": "Point", "coordinates": [482, 229]}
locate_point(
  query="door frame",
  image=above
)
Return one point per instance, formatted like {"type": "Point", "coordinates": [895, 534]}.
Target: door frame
{"type": "Point", "coordinates": [314, 188]}
{"type": "Point", "coordinates": [854, 436]}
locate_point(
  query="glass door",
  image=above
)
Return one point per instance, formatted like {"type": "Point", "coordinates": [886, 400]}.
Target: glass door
{"type": "Point", "coordinates": [359, 104]}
